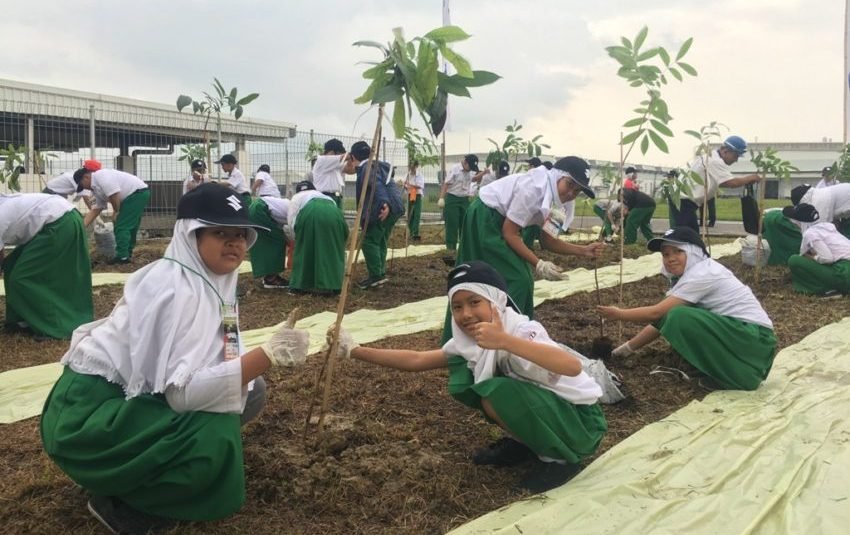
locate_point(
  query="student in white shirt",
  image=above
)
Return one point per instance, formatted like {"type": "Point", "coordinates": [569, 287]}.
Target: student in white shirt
{"type": "Point", "coordinates": [327, 174]}
{"type": "Point", "coordinates": [715, 171]}
{"type": "Point", "coordinates": [414, 183]}
{"type": "Point", "coordinates": [65, 186]}
{"type": "Point", "coordinates": [823, 265]}
{"type": "Point", "coordinates": [127, 194]}
{"type": "Point", "coordinates": [454, 198]}
{"type": "Point", "coordinates": [709, 317]}
{"type": "Point", "coordinates": [196, 177]}
{"type": "Point", "coordinates": [235, 179]}
{"type": "Point", "coordinates": [506, 366]}
{"type": "Point", "coordinates": [264, 185]}
{"type": "Point", "coordinates": [609, 211]}
{"type": "Point", "coordinates": [269, 252]}
{"type": "Point", "coordinates": [502, 170]}
{"type": "Point", "coordinates": [48, 274]}
{"type": "Point", "coordinates": [827, 179]}
{"type": "Point", "coordinates": [146, 414]}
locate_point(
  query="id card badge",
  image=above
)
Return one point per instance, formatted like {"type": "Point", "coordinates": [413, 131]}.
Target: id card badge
{"type": "Point", "coordinates": [230, 326]}
{"type": "Point", "coordinates": [554, 222]}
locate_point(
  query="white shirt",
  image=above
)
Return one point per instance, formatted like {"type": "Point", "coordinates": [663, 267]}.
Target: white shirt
{"type": "Point", "coordinates": [23, 215]}
{"type": "Point", "coordinates": [191, 183]}
{"type": "Point", "coordinates": [237, 181]}
{"type": "Point", "coordinates": [488, 177]}
{"type": "Point", "coordinates": [718, 173]}
{"type": "Point", "coordinates": [520, 197]}
{"type": "Point", "coordinates": [108, 182]}
{"type": "Point", "coordinates": [299, 200]}
{"type": "Point", "coordinates": [831, 202]}
{"type": "Point", "coordinates": [64, 185]}
{"type": "Point", "coordinates": [828, 245]}
{"type": "Point", "coordinates": [711, 286]}
{"type": "Point", "coordinates": [327, 173]}
{"type": "Point", "coordinates": [417, 181]}
{"type": "Point", "coordinates": [458, 181]}
{"type": "Point", "coordinates": [279, 209]}
{"type": "Point", "coordinates": [610, 205]}
{"type": "Point", "coordinates": [824, 183]}
{"type": "Point", "coordinates": [267, 188]}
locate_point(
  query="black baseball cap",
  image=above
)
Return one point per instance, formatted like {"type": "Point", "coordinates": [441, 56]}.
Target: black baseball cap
{"type": "Point", "coordinates": [826, 171]}
{"type": "Point", "coordinates": [472, 161]}
{"type": "Point", "coordinates": [215, 204]}
{"type": "Point", "coordinates": [577, 169]}
{"type": "Point", "coordinates": [548, 165]}
{"type": "Point", "coordinates": [228, 158]}
{"type": "Point", "coordinates": [334, 145]}
{"type": "Point", "coordinates": [678, 236]}
{"type": "Point", "coordinates": [78, 176]}
{"type": "Point", "coordinates": [360, 151]}
{"type": "Point", "coordinates": [198, 164]}
{"type": "Point", "coordinates": [479, 272]}
{"type": "Point", "coordinates": [803, 212]}
{"type": "Point", "coordinates": [798, 192]}
{"type": "Point", "coordinates": [504, 168]}
{"type": "Point", "coordinates": [534, 162]}
{"type": "Point", "coordinates": [264, 168]}
{"type": "Point", "coordinates": [630, 170]}
{"type": "Point", "coordinates": [304, 185]}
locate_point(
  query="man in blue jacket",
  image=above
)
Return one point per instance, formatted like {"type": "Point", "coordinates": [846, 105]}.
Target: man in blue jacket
{"type": "Point", "coordinates": [383, 207]}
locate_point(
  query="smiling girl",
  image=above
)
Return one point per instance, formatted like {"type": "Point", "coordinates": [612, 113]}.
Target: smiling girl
{"type": "Point", "coordinates": [709, 317]}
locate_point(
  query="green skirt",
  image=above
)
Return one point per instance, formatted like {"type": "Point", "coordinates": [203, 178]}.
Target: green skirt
{"type": "Point", "coordinates": [186, 466]}
{"type": "Point", "coordinates": [810, 277]}
{"type": "Point", "coordinates": [48, 279]}
{"type": "Point", "coordinates": [548, 424]}
{"type": "Point", "coordinates": [736, 354]}
{"type": "Point", "coordinates": [269, 252]}
{"type": "Point", "coordinates": [783, 236]}
{"type": "Point", "coordinates": [318, 262]}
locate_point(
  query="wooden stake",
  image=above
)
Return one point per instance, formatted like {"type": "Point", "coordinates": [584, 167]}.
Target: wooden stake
{"type": "Point", "coordinates": [761, 219]}
{"type": "Point", "coordinates": [622, 233]}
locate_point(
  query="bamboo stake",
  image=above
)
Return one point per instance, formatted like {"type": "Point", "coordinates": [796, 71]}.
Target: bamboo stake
{"type": "Point", "coordinates": [622, 234]}
{"type": "Point", "coordinates": [761, 218]}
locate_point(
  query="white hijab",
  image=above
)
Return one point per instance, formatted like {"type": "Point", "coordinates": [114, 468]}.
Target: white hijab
{"type": "Point", "coordinates": [167, 325]}
{"type": "Point", "coordinates": [694, 253]}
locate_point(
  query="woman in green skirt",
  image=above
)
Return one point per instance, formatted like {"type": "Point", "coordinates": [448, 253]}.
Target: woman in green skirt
{"type": "Point", "coordinates": [506, 366]}
{"type": "Point", "coordinates": [146, 414]}
{"type": "Point", "coordinates": [318, 263]}
{"type": "Point", "coordinates": [48, 275]}
{"type": "Point", "coordinates": [823, 265]}
{"type": "Point", "coordinates": [709, 317]}
{"type": "Point", "coordinates": [268, 254]}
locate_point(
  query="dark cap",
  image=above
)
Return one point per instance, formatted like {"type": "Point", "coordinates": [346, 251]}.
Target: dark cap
{"type": "Point", "coordinates": [228, 158]}
{"type": "Point", "coordinates": [679, 236]}
{"type": "Point", "coordinates": [577, 168]}
{"type": "Point", "coordinates": [360, 151]}
{"type": "Point", "coordinates": [798, 192]}
{"type": "Point", "coordinates": [504, 168]}
{"type": "Point", "coordinates": [78, 176]}
{"type": "Point", "coordinates": [304, 185]}
{"type": "Point", "coordinates": [630, 170]}
{"type": "Point", "coordinates": [826, 171]}
{"type": "Point", "coordinates": [479, 272]}
{"type": "Point", "coordinates": [198, 164]}
{"type": "Point", "coordinates": [264, 168]}
{"type": "Point", "coordinates": [548, 165]}
{"type": "Point", "coordinates": [534, 162]}
{"type": "Point", "coordinates": [472, 161]}
{"type": "Point", "coordinates": [673, 173]}
{"type": "Point", "coordinates": [803, 212]}
{"type": "Point", "coordinates": [334, 145]}
{"type": "Point", "coordinates": [215, 204]}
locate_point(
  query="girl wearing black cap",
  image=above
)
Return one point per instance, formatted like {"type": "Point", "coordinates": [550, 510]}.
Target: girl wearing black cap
{"type": "Point", "coordinates": [823, 265]}
{"type": "Point", "coordinates": [709, 317]}
{"type": "Point", "coordinates": [328, 171]}
{"type": "Point", "coordinates": [196, 178]}
{"type": "Point", "coordinates": [506, 366]}
{"type": "Point", "coordinates": [146, 414]}
{"type": "Point", "coordinates": [264, 185]}
{"type": "Point", "coordinates": [454, 196]}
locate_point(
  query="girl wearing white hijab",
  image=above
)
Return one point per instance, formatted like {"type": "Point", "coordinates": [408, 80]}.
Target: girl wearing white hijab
{"type": "Point", "coordinates": [505, 365]}
{"type": "Point", "coordinates": [146, 415]}
{"type": "Point", "coordinates": [709, 317]}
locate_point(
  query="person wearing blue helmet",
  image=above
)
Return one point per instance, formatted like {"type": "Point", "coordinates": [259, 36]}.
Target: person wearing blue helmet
{"type": "Point", "coordinates": [715, 171]}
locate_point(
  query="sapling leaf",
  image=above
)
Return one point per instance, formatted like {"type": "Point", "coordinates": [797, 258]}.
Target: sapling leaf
{"type": "Point", "coordinates": [684, 48]}
{"type": "Point", "coordinates": [183, 101]}
{"type": "Point", "coordinates": [247, 99]}
{"type": "Point", "coordinates": [631, 136]}
{"type": "Point", "coordinates": [687, 68]}
{"type": "Point", "coordinates": [458, 62]}
{"type": "Point", "coordinates": [626, 43]}
{"type": "Point", "coordinates": [641, 37]}
{"type": "Point", "coordinates": [387, 93]}
{"type": "Point", "coordinates": [643, 56]}
{"type": "Point", "coordinates": [676, 74]}
{"type": "Point", "coordinates": [480, 78]}
{"type": "Point", "coordinates": [644, 144]}
{"type": "Point", "coordinates": [665, 57]}
{"type": "Point", "coordinates": [661, 128]}
{"type": "Point", "coordinates": [658, 141]}
{"type": "Point", "coordinates": [373, 44]}
{"type": "Point", "coordinates": [637, 121]}
{"type": "Point", "coordinates": [399, 117]}
{"type": "Point", "coordinates": [447, 34]}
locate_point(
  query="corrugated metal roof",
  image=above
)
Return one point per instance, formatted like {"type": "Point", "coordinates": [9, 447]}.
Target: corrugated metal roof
{"type": "Point", "coordinates": [32, 99]}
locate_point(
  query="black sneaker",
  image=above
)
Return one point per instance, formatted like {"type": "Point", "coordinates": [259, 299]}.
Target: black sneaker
{"type": "Point", "coordinates": [504, 452]}
{"type": "Point", "coordinates": [449, 260]}
{"type": "Point", "coordinates": [120, 518]}
{"type": "Point", "coordinates": [831, 294]}
{"type": "Point", "coordinates": [275, 281]}
{"type": "Point", "coordinates": [380, 280]}
{"type": "Point", "coordinates": [547, 476]}
{"type": "Point", "coordinates": [116, 260]}
{"type": "Point", "coordinates": [417, 238]}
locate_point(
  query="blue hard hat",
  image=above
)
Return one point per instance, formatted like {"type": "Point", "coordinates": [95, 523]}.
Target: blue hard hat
{"type": "Point", "coordinates": [737, 144]}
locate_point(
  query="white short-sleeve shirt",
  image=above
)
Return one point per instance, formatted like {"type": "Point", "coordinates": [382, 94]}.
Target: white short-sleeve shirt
{"type": "Point", "coordinates": [23, 215]}
{"type": "Point", "coordinates": [458, 181]}
{"type": "Point", "coordinates": [717, 172]}
{"type": "Point", "coordinates": [107, 182]}
{"type": "Point", "coordinates": [827, 244]}
{"type": "Point", "coordinates": [327, 173]}
{"type": "Point", "coordinates": [299, 200]}
{"type": "Point", "coordinates": [279, 209]}
{"type": "Point", "coordinates": [418, 182]}
{"type": "Point", "coordinates": [831, 202]}
{"type": "Point", "coordinates": [237, 181]}
{"type": "Point", "coordinates": [64, 185]}
{"type": "Point", "coordinates": [519, 197]}
{"type": "Point", "coordinates": [267, 188]}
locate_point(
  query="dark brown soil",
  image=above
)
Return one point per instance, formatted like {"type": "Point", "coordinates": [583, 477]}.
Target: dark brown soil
{"type": "Point", "coordinates": [394, 458]}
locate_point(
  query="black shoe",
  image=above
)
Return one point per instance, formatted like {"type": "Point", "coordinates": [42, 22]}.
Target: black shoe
{"type": "Point", "coordinates": [371, 282]}
{"type": "Point", "coordinates": [547, 476]}
{"type": "Point", "coordinates": [504, 452]}
{"type": "Point", "coordinates": [120, 518]}
{"type": "Point", "coordinates": [116, 260]}
{"type": "Point", "coordinates": [275, 281]}
{"type": "Point", "coordinates": [831, 294]}
{"type": "Point", "coordinates": [449, 260]}
{"type": "Point", "coordinates": [380, 280]}
{"type": "Point", "coordinates": [417, 238]}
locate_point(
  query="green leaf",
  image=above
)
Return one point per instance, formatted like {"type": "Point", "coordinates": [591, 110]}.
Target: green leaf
{"type": "Point", "coordinates": [427, 70]}
{"type": "Point", "coordinates": [437, 112]}
{"type": "Point", "coordinates": [387, 93]}
{"type": "Point", "coordinates": [373, 72]}
{"type": "Point", "coordinates": [693, 134]}
{"type": "Point", "coordinates": [373, 44]}
{"type": "Point", "coordinates": [687, 68]}
{"type": "Point", "coordinates": [244, 101]}
{"type": "Point", "coordinates": [637, 121]}
{"type": "Point", "coordinates": [631, 136]}
{"type": "Point", "coordinates": [219, 88]}
{"type": "Point", "coordinates": [636, 83]}
{"type": "Point", "coordinates": [196, 107]}
{"type": "Point", "coordinates": [665, 57]}
{"type": "Point", "coordinates": [676, 74]}
{"type": "Point", "coordinates": [450, 85]}
{"type": "Point", "coordinates": [641, 37]}
{"type": "Point", "coordinates": [480, 78]}
{"type": "Point", "coordinates": [238, 113]}
{"type": "Point", "coordinates": [661, 128]}
{"type": "Point", "coordinates": [684, 48]}
{"type": "Point", "coordinates": [447, 34]}
{"type": "Point", "coordinates": [458, 62]}
{"type": "Point", "coordinates": [183, 101]}
{"type": "Point", "coordinates": [652, 52]}
{"type": "Point", "coordinates": [399, 117]}
{"type": "Point", "coordinates": [644, 144]}
{"type": "Point", "coordinates": [626, 43]}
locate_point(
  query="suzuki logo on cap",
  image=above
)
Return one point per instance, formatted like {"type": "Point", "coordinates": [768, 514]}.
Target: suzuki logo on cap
{"type": "Point", "coordinates": [234, 203]}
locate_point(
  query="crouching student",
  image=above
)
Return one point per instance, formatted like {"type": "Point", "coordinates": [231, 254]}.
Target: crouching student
{"type": "Point", "coordinates": [146, 414]}
{"type": "Point", "coordinates": [506, 366]}
{"type": "Point", "coordinates": [823, 265]}
{"type": "Point", "coordinates": [48, 274]}
{"type": "Point", "coordinates": [268, 254]}
{"type": "Point", "coordinates": [709, 317]}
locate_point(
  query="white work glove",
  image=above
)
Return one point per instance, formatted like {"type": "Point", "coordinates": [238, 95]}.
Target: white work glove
{"type": "Point", "coordinates": [549, 271]}
{"type": "Point", "coordinates": [346, 343]}
{"type": "Point", "coordinates": [288, 346]}
{"type": "Point", "coordinates": [622, 351]}
{"type": "Point", "coordinates": [441, 203]}
{"type": "Point", "coordinates": [289, 232]}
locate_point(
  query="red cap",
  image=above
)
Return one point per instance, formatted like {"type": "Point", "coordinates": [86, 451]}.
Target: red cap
{"type": "Point", "coordinates": [92, 165]}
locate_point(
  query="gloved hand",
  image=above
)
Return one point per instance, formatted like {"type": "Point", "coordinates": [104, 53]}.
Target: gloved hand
{"type": "Point", "coordinates": [549, 271]}
{"type": "Point", "coordinates": [441, 203]}
{"type": "Point", "coordinates": [346, 343]}
{"type": "Point", "coordinates": [288, 346]}
{"type": "Point", "coordinates": [622, 351]}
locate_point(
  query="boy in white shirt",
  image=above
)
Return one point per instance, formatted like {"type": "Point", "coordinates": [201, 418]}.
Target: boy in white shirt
{"type": "Point", "coordinates": [327, 174]}
{"type": "Point", "coordinates": [264, 185]}
{"type": "Point", "coordinates": [454, 198]}
{"type": "Point", "coordinates": [823, 265]}
{"type": "Point", "coordinates": [235, 179]}
{"type": "Point", "coordinates": [196, 177]}
{"type": "Point", "coordinates": [64, 184]}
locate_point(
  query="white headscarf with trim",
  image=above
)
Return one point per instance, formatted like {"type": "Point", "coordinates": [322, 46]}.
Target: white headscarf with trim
{"type": "Point", "coordinates": [694, 253]}
{"type": "Point", "coordinates": [167, 325]}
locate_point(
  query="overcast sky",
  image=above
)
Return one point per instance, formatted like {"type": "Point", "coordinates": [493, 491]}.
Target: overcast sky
{"type": "Point", "coordinates": [769, 69]}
